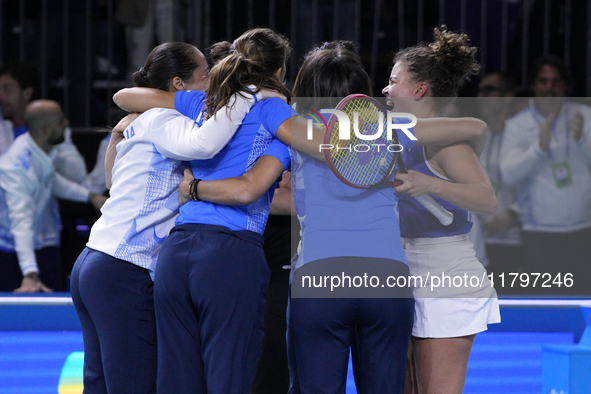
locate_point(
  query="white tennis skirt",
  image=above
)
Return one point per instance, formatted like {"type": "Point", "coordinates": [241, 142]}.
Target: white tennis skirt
{"type": "Point", "coordinates": [453, 295]}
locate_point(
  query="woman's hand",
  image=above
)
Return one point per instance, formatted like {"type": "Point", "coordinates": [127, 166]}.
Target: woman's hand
{"type": "Point", "coordinates": [184, 186]}
{"type": "Point", "coordinates": [414, 183]}
{"type": "Point", "coordinates": [283, 203]}
{"type": "Point", "coordinates": [268, 93]}
{"type": "Point", "coordinates": [125, 122]}
{"type": "Point", "coordinates": [501, 221]}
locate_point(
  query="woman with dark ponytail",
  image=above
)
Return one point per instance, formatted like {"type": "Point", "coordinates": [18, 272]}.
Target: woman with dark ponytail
{"type": "Point", "coordinates": [424, 79]}
{"type": "Point", "coordinates": [111, 283]}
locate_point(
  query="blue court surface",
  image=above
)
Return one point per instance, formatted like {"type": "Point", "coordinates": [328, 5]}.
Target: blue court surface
{"type": "Point", "coordinates": [535, 349]}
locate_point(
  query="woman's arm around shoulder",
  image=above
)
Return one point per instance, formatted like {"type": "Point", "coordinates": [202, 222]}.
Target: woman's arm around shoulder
{"type": "Point", "coordinates": [143, 99]}
{"type": "Point", "coordinates": [445, 131]}
{"type": "Point", "coordinates": [242, 190]}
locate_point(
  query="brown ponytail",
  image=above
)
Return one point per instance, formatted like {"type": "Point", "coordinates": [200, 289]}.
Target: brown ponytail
{"type": "Point", "coordinates": [253, 59]}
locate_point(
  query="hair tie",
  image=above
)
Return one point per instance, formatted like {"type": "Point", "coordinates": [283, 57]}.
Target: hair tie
{"type": "Point", "coordinates": [143, 72]}
{"type": "Point", "coordinates": [235, 51]}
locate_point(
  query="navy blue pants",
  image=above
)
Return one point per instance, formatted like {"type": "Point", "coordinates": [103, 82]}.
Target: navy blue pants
{"type": "Point", "coordinates": [210, 288]}
{"type": "Point", "coordinates": [321, 331]}
{"type": "Point", "coordinates": [115, 304]}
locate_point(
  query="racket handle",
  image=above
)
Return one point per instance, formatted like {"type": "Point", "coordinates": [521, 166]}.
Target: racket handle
{"type": "Point", "coordinates": [444, 216]}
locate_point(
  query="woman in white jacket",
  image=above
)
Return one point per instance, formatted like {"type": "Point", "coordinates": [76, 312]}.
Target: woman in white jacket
{"type": "Point", "coordinates": [111, 284]}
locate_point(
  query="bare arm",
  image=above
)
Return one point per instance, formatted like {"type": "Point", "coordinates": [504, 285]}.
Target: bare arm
{"type": "Point", "coordinates": [242, 190]}
{"type": "Point", "coordinates": [471, 189]}
{"type": "Point", "coordinates": [294, 132]}
{"type": "Point", "coordinates": [446, 131]}
{"type": "Point", "coordinates": [143, 99]}
{"type": "Point", "coordinates": [433, 131]}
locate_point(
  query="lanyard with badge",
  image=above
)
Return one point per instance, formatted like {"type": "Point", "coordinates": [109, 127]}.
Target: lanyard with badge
{"type": "Point", "coordinates": [561, 170]}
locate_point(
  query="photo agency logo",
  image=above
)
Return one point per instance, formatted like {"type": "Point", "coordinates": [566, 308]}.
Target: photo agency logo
{"type": "Point", "coordinates": [368, 129]}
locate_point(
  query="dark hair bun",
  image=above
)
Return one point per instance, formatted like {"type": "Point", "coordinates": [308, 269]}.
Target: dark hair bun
{"type": "Point", "coordinates": [140, 79]}
{"type": "Point", "coordinates": [219, 51]}
{"type": "Point", "coordinates": [454, 52]}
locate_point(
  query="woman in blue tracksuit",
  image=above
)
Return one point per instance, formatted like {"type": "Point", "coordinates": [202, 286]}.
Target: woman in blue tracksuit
{"type": "Point", "coordinates": [212, 275]}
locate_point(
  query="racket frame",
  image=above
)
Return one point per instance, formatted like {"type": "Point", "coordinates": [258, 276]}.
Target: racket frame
{"type": "Point", "coordinates": [326, 141]}
{"type": "Point", "coordinates": [444, 216]}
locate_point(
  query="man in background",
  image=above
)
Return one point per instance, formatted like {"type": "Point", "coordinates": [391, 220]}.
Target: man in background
{"type": "Point", "coordinates": [546, 153]}
{"type": "Point", "coordinates": [19, 85]}
{"type": "Point", "coordinates": [29, 246]}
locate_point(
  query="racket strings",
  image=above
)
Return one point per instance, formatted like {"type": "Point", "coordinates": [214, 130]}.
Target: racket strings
{"type": "Point", "coordinates": [359, 161]}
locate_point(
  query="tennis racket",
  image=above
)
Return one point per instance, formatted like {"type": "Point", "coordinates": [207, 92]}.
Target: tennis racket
{"type": "Point", "coordinates": [444, 216]}
{"type": "Point", "coordinates": [364, 161]}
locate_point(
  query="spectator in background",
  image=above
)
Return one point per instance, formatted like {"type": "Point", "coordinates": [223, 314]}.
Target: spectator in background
{"type": "Point", "coordinates": [18, 86]}
{"type": "Point", "coordinates": [96, 180]}
{"type": "Point", "coordinates": [500, 231]}
{"type": "Point", "coordinates": [27, 186]}
{"type": "Point", "coordinates": [6, 134]}
{"type": "Point", "coordinates": [546, 152]}
{"type": "Point", "coordinates": [144, 20]}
